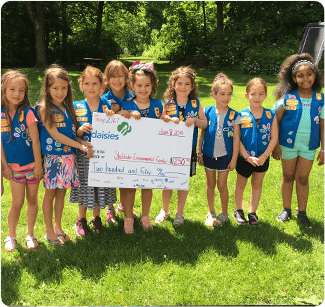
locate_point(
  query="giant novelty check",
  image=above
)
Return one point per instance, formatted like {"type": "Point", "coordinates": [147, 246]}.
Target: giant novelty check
{"type": "Point", "coordinates": [146, 153]}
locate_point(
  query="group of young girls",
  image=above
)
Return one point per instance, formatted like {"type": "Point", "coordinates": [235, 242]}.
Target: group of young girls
{"type": "Point", "coordinates": [52, 141]}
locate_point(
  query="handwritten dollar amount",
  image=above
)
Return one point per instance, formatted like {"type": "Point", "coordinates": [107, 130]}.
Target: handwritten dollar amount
{"type": "Point", "coordinates": [180, 161]}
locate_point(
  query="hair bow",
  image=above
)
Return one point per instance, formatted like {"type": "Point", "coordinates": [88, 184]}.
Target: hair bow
{"type": "Point", "coordinates": [137, 65]}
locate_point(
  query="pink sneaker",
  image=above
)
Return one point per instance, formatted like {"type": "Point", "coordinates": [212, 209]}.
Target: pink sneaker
{"type": "Point", "coordinates": [81, 227]}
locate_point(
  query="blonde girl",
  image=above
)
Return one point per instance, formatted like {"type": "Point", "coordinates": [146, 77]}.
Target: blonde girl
{"type": "Point", "coordinates": [144, 82]}
{"type": "Point", "coordinates": [58, 140]}
{"type": "Point", "coordinates": [300, 114]}
{"type": "Point", "coordinates": [20, 155]}
{"type": "Point", "coordinates": [219, 143]}
{"type": "Point", "coordinates": [259, 135]}
{"type": "Point", "coordinates": [91, 83]}
{"type": "Point", "coordinates": [182, 104]}
{"type": "Point", "coordinates": [116, 91]}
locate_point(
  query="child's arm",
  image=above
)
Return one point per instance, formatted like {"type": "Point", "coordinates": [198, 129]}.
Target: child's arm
{"type": "Point", "coordinates": [250, 159]}
{"type": "Point", "coordinates": [88, 145]}
{"type": "Point", "coordinates": [277, 153]}
{"type": "Point", "coordinates": [200, 122]}
{"type": "Point", "coordinates": [320, 157]}
{"type": "Point", "coordinates": [36, 144]}
{"type": "Point", "coordinates": [6, 169]}
{"type": "Point", "coordinates": [235, 151]}
{"type": "Point", "coordinates": [273, 142]}
{"type": "Point", "coordinates": [84, 128]}
{"type": "Point", "coordinates": [59, 137]}
{"type": "Point", "coordinates": [125, 114]}
{"type": "Point", "coordinates": [199, 147]}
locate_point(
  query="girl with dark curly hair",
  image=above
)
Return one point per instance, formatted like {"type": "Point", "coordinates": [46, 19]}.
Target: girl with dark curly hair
{"type": "Point", "coordinates": [300, 115]}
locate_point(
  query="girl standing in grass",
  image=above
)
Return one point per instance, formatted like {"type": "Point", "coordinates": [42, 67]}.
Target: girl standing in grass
{"type": "Point", "coordinates": [300, 114]}
{"type": "Point", "coordinates": [58, 137]}
{"type": "Point", "coordinates": [20, 155]}
{"type": "Point", "coordinates": [182, 104]}
{"type": "Point", "coordinates": [259, 134]}
{"type": "Point", "coordinates": [91, 83]}
{"type": "Point", "coordinates": [116, 92]}
{"type": "Point", "coordinates": [219, 143]}
{"type": "Point", "coordinates": [144, 82]}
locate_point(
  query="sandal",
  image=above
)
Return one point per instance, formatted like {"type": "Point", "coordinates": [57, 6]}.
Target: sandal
{"type": "Point", "coordinates": [110, 215]}
{"type": "Point", "coordinates": [64, 237]}
{"type": "Point", "coordinates": [146, 223]}
{"type": "Point", "coordinates": [10, 244]}
{"type": "Point", "coordinates": [179, 219]}
{"type": "Point", "coordinates": [51, 242]}
{"type": "Point", "coordinates": [162, 216]}
{"type": "Point", "coordinates": [128, 226]}
{"type": "Point", "coordinates": [30, 243]}
{"type": "Point", "coordinates": [220, 220]}
{"type": "Point", "coordinates": [209, 218]}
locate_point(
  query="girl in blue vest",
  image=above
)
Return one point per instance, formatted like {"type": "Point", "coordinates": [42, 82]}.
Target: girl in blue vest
{"type": "Point", "coordinates": [116, 91]}
{"type": "Point", "coordinates": [300, 117]}
{"type": "Point", "coordinates": [20, 155]}
{"type": "Point", "coordinates": [219, 143]}
{"type": "Point", "coordinates": [144, 82]}
{"type": "Point", "coordinates": [182, 104]}
{"type": "Point", "coordinates": [259, 134]}
{"type": "Point", "coordinates": [91, 83]}
{"type": "Point", "coordinates": [58, 140]}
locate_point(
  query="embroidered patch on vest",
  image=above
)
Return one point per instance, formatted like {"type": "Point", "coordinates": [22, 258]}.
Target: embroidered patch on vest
{"type": "Point", "coordinates": [21, 117]}
{"type": "Point", "coordinates": [58, 118]}
{"type": "Point", "coordinates": [291, 108]}
{"type": "Point", "coordinates": [60, 125]}
{"type": "Point", "coordinates": [248, 125]}
{"type": "Point", "coordinates": [81, 112]}
{"type": "Point", "coordinates": [246, 120]}
{"type": "Point", "coordinates": [82, 119]}
{"type": "Point", "coordinates": [194, 103]}
{"type": "Point", "coordinates": [292, 102]}
{"type": "Point", "coordinates": [319, 96]}
{"type": "Point", "coordinates": [157, 112]}
{"type": "Point", "coordinates": [171, 112]}
{"type": "Point", "coordinates": [105, 107]}
{"type": "Point", "coordinates": [231, 115]}
{"type": "Point", "coordinates": [268, 114]}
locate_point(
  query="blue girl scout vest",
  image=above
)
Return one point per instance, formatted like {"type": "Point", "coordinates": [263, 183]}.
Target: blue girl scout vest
{"type": "Point", "coordinates": [64, 123]}
{"type": "Point", "coordinates": [191, 111]}
{"type": "Point", "coordinates": [83, 113]}
{"type": "Point", "coordinates": [291, 119]}
{"type": "Point", "coordinates": [256, 140]}
{"type": "Point", "coordinates": [155, 108]}
{"type": "Point", "coordinates": [19, 148]}
{"type": "Point", "coordinates": [112, 99]}
{"type": "Point", "coordinates": [211, 129]}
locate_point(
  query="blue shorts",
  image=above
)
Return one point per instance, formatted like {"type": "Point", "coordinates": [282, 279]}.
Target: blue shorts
{"type": "Point", "coordinates": [220, 164]}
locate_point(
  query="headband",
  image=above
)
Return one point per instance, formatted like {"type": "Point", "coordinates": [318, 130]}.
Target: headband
{"type": "Point", "coordinates": [185, 73]}
{"type": "Point", "coordinates": [304, 62]}
{"type": "Point", "coordinates": [137, 65]}
{"type": "Point", "coordinates": [218, 78]}
{"type": "Point", "coordinates": [11, 75]}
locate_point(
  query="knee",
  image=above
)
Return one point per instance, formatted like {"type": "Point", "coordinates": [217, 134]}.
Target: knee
{"type": "Point", "coordinates": [211, 184]}
{"type": "Point", "coordinates": [288, 178]}
{"type": "Point", "coordinates": [302, 180]}
{"type": "Point", "coordinates": [222, 186]}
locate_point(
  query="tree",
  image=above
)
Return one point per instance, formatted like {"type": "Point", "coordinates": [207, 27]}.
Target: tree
{"type": "Point", "coordinates": [35, 11]}
{"type": "Point", "coordinates": [99, 23]}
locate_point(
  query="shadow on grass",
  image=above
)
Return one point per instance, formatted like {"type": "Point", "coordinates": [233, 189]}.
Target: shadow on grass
{"type": "Point", "coordinates": [93, 254]}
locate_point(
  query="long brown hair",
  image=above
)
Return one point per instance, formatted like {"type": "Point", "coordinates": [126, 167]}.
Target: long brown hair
{"type": "Point", "coordinates": [51, 74]}
{"type": "Point", "coordinates": [5, 80]}
{"type": "Point", "coordinates": [113, 68]}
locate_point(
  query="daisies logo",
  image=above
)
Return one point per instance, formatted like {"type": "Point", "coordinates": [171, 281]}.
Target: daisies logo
{"type": "Point", "coordinates": [124, 128]}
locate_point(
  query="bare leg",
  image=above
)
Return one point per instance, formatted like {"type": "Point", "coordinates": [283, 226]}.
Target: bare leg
{"type": "Point", "coordinates": [96, 211]}
{"type": "Point", "coordinates": [166, 197]}
{"type": "Point", "coordinates": [128, 198]}
{"type": "Point", "coordinates": [302, 186]}
{"type": "Point", "coordinates": [239, 191]}
{"type": "Point", "coordinates": [18, 198]}
{"type": "Point", "coordinates": [210, 189]}
{"type": "Point", "coordinates": [257, 183]}
{"type": "Point", "coordinates": [288, 176]}
{"type": "Point", "coordinates": [146, 197]}
{"type": "Point", "coordinates": [223, 190]}
{"type": "Point", "coordinates": [82, 212]}
{"type": "Point", "coordinates": [32, 207]}
{"type": "Point", "coordinates": [182, 196]}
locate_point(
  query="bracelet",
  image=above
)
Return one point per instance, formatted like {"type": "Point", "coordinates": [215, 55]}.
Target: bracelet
{"type": "Point", "coordinates": [265, 155]}
{"type": "Point", "coordinates": [6, 170]}
{"type": "Point", "coordinates": [250, 160]}
{"type": "Point", "coordinates": [322, 150]}
{"type": "Point", "coordinates": [247, 158]}
{"type": "Point", "coordinates": [85, 149]}
{"type": "Point", "coordinates": [200, 155]}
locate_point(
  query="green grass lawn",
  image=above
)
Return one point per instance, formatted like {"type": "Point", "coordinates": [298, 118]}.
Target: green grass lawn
{"type": "Point", "coordinates": [271, 264]}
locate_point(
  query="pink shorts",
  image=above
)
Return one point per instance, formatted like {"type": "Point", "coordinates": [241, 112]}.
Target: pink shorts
{"type": "Point", "coordinates": [26, 175]}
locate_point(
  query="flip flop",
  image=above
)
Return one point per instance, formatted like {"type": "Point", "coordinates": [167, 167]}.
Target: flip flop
{"type": "Point", "coordinates": [50, 241]}
{"type": "Point", "coordinates": [64, 237]}
{"type": "Point", "coordinates": [31, 244]}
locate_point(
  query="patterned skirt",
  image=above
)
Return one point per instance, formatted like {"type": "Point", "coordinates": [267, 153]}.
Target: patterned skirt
{"type": "Point", "coordinates": [89, 196]}
{"type": "Point", "coordinates": [60, 172]}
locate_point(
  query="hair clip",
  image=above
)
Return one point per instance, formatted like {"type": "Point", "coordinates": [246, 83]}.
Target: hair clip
{"type": "Point", "coordinates": [218, 78]}
{"type": "Point", "coordinates": [137, 65]}
{"type": "Point", "coordinates": [305, 62]}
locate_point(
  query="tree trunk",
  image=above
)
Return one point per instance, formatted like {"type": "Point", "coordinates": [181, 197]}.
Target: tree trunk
{"type": "Point", "coordinates": [204, 24]}
{"type": "Point", "coordinates": [99, 25]}
{"type": "Point", "coordinates": [219, 16]}
{"type": "Point", "coordinates": [35, 11]}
